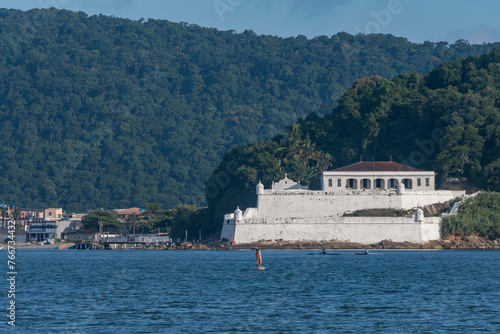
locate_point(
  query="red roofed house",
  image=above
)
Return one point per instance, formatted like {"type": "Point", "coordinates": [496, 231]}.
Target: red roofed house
{"type": "Point", "coordinates": [381, 175]}
{"type": "Point", "coordinates": [124, 213]}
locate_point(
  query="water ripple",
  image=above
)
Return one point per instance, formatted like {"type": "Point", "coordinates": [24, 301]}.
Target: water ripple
{"type": "Point", "coordinates": [220, 292]}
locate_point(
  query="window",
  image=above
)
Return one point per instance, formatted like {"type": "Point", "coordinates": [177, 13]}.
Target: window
{"type": "Point", "coordinates": [329, 182]}
{"type": "Point", "coordinates": [352, 184]}
{"type": "Point", "coordinates": [427, 181]}
{"type": "Point", "coordinates": [408, 183]}
{"type": "Point", "coordinates": [379, 183]}
{"type": "Point", "coordinates": [339, 182]}
{"type": "Point", "coordinates": [419, 182]}
{"type": "Point", "coordinates": [393, 183]}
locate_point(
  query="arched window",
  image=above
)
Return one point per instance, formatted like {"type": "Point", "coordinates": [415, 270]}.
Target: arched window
{"type": "Point", "coordinates": [366, 184]}
{"type": "Point", "coordinates": [352, 184]}
{"type": "Point", "coordinates": [408, 183]}
{"type": "Point", "coordinates": [393, 183]}
{"type": "Point", "coordinates": [379, 184]}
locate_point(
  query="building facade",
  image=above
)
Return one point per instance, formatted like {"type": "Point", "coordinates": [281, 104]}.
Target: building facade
{"type": "Point", "coordinates": [41, 230]}
{"type": "Point", "coordinates": [377, 175]}
{"type": "Point", "coordinates": [291, 212]}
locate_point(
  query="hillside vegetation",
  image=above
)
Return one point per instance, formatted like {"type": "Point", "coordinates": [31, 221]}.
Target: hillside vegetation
{"type": "Point", "coordinates": [106, 112]}
{"type": "Point", "coordinates": [447, 121]}
{"type": "Point", "coordinates": [478, 216]}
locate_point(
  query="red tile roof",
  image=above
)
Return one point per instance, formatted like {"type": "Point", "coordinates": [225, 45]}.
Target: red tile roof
{"type": "Point", "coordinates": [377, 166]}
{"type": "Point", "coordinates": [129, 210]}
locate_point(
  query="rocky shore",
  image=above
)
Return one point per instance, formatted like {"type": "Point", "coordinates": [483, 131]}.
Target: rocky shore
{"type": "Point", "coordinates": [451, 243]}
{"type": "Point", "coordinates": [464, 243]}
{"type": "Point", "coordinates": [28, 245]}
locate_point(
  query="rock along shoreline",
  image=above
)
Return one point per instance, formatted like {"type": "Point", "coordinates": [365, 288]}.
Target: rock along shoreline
{"type": "Point", "coordinates": [454, 243]}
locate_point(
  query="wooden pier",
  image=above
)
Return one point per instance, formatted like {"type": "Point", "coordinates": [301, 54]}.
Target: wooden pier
{"type": "Point", "coordinates": [87, 245]}
{"type": "Point", "coordinates": [121, 245]}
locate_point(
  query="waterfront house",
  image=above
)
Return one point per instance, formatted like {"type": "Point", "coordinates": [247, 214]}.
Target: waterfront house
{"type": "Point", "coordinates": [53, 214]}
{"type": "Point", "coordinates": [123, 214]}
{"type": "Point", "coordinates": [40, 230]}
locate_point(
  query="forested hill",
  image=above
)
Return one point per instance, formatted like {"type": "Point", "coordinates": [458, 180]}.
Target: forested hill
{"type": "Point", "coordinates": [447, 121]}
{"type": "Point", "coordinates": [106, 112]}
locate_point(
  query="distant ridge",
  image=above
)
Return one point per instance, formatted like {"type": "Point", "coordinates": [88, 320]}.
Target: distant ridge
{"type": "Point", "coordinates": [447, 121]}
{"type": "Point", "coordinates": [98, 111]}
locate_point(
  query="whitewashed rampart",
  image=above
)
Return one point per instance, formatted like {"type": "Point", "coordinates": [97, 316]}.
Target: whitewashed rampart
{"type": "Point", "coordinates": [291, 212]}
{"type": "Point", "coordinates": [298, 203]}
{"type": "Point", "coordinates": [349, 229]}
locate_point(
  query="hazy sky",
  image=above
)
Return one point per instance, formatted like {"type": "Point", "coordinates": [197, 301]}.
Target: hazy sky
{"type": "Point", "coordinates": [417, 20]}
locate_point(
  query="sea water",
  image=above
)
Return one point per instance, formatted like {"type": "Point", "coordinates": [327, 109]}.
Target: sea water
{"type": "Point", "coordinates": [85, 291]}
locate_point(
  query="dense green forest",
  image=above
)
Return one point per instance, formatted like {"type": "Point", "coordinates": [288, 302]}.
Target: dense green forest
{"type": "Point", "coordinates": [98, 111]}
{"type": "Point", "coordinates": [478, 216]}
{"type": "Point", "coordinates": [447, 121]}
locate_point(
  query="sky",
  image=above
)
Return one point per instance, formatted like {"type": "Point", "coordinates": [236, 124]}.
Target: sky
{"type": "Point", "coordinates": [417, 20]}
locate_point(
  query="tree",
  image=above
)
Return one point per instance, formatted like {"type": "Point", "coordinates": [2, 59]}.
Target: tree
{"type": "Point", "coordinates": [152, 209]}
{"type": "Point", "coordinates": [134, 219]}
{"type": "Point", "coordinates": [93, 220]}
{"type": "Point", "coordinates": [3, 212]}
{"type": "Point", "coordinates": [447, 121]}
{"type": "Point", "coordinates": [16, 213]}
{"type": "Point", "coordinates": [108, 112]}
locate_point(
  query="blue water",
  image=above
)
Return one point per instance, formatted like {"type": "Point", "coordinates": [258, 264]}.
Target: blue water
{"type": "Point", "coordinates": [77, 291]}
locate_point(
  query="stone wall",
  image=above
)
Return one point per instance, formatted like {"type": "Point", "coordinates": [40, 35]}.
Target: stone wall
{"type": "Point", "coordinates": [348, 229]}
{"type": "Point", "coordinates": [305, 215]}
{"type": "Point", "coordinates": [326, 204]}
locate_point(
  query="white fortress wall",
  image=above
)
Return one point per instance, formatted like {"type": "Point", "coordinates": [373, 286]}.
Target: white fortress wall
{"type": "Point", "coordinates": [326, 204]}
{"type": "Point", "coordinates": [411, 200]}
{"type": "Point", "coordinates": [289, 211]}
{"type": "Point", "coordinates": [226, 228]}
{"type": "Point", "coordinates": [319, 203]}
{"type": "Point", "coordinates": [353, 229]}
{"type": "Point", "coordinates": [431, 229]}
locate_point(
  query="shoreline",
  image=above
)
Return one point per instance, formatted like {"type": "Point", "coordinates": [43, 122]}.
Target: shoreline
{"type": "Point", "coordinates": [468, 243]}
{"type": "Point", "coordinates": [465, 243]}
{"type": "Point", "coordinates": [25, 245]}
{"type": "Point", "coordinates": [453, 243]}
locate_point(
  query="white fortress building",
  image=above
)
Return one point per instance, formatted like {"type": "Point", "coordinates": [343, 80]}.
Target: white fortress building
{"type": "Point", "coordinates": [291, 212]}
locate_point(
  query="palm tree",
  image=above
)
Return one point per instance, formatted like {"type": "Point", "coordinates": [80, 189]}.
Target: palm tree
{"type": "Point", "coordinates": [324, 161]}
{"type": "Point", "coordinates": [4, 213]}
{"type": "Point", "coordinates": [152, 209]}
{"type": "Point", "coordinates": [16, 213]}
{"type": "Point", "coordinates": [133, 218]}
{"type": "Point", "coordinates": [294, 147]}
{"type": "Point", "coordinates": [291, 145]}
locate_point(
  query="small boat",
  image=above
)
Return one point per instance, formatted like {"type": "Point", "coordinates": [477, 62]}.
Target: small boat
{"type": "Point", "coordinates": [366, 252]}
{"type": "Point", "coordinates": [1, 247]}
{"type": "Point", "coordinates": [324, 254]}
{"type": "Point", "coordinates": [60, 247]}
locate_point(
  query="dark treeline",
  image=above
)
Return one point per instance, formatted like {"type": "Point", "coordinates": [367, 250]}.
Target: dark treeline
{"type": "Point", "coordinates": [447, 121]}
{"type": "Point", "coordinates": [107, 112]}
{"type": "Point", "coordinates": [478, 216]}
